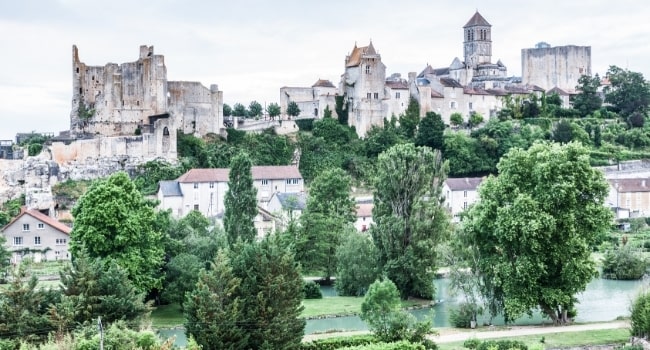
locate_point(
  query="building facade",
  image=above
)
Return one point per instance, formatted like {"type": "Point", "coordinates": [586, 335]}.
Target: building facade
{"type": "Point", "coordinates": [459, 194]}
{"type": "Point", "coordinates": [312, 101]}
{"type": "Point", "coordinates": [36, 235]}
{"type": "Point", "coordinates": [555, 67]}
{"type": "Point", "coordinates": [629, 197]}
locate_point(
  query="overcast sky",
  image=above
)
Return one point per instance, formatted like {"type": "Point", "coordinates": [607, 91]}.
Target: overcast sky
{"type": "Point", "coordinates": [251, 48]}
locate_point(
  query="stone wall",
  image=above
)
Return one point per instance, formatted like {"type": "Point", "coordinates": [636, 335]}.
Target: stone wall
{"type": "Point", "coordinates": [560, 66]}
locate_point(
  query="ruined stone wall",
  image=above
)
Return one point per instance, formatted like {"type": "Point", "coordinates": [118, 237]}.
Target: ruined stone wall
{"type": "Point", "coordinates": [194, 108]}
{"type": "Point", "coordinates": [559, 66]}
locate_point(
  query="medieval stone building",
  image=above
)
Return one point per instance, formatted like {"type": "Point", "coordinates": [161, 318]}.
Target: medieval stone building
{"type": "Point", "coordinates": [555, 67]}
{"type": "Point", "coordinates": [312, 100]}
{"type": "Point", "coordinates": [134, 104]}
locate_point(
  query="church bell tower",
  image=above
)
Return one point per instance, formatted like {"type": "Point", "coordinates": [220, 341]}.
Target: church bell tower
{"type": "Point", "coordinates": [477, 41]}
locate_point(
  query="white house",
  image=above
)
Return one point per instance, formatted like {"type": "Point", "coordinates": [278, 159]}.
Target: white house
{"type": "Point", "coordinates": [629, 197]}
{"type": "Point", "coordinates": [459, 194]}
{"type": "Point", "coordinates": [286, 206]}
{"type": "Point", "coordinates": [364, 216]}
{"type": "Point", "coordinates": [204, 189]}
{"type": "Point", "coordinates": [35, 234]}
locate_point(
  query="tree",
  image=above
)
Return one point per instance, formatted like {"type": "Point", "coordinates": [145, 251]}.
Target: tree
{"type": "Point", "coordinates": [327, 112]}
{"type": "Point", "coordinates": [255, 109]}
{"type": "Point", "coordinates": [456, 119]}
{"type": "Point", "coordinates": [587, 100]}
{"type": "Point", "coordinates": [534, 227]}
{"type": "Point", "coordinates": [408, 122]}
{"type": "Point", "coordinates": [292, 109]}
{"type": "Point", "coordinates": [240, 202]}
{"type": "Point", "coordinates": [5, 256]}
{"type": "Point", "coordinates": [215, 308]}
{"type": "Point", "coordinates": [431, 131]}
{"type": "Point", "coordinates": [475, 120]}
{"type": "Point", "coordinates": [563, 132]}
{"type": "Point", "coordinates": [181, 274]}
{"type": "Point", "coordinates": [381, 310]}
{"type": "Point", "coordinates": [114, 221]}
{"type": "Point", "coordinates": [409, 217]}
{"type": "Point", "coordinates": [629, 92]}
{"type": "Point", "coordinates": [273, 109]}
{"type": "Point", "coordinates": [271, 294]}
{"type": "Point", "coordinates": [640, 315]}
{"type": "Point", "coordinates": [624, 264]}
{"type": "Point", "coordinates": [227, 110]}
{"type": "Point", "coordinates": [356, 267]}
{"type": "Point", "coordinates": [341, 109]}
{"type": "Point", "coordinates": [90, 286]}
{"type": "Point", "coordinates": [239, 110]}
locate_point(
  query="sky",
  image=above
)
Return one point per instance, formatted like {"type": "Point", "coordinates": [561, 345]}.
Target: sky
{"type": "Point", "coordinates": [251, 48]}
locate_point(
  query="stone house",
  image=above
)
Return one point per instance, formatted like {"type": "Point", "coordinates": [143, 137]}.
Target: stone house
{"type": "Point", "coordinates": [364, 216]}
{"type": "Point", "coordinates": [459, 194]}
{"type": "Point", "coordinates": [312, 101]}
{"type": "Point", "coordinates": [34, 234]}
{"type": "Point", "coordinates": [629, 197]}
{"type": "Point", "coordinates": [286, 205]}
{"type": "Point", "coordinates": [205, 189]}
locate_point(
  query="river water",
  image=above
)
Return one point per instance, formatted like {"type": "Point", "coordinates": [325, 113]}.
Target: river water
{"type": "Point", "coordinates": [603, 300]}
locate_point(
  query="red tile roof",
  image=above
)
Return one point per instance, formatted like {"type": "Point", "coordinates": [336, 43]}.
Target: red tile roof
{"type": "Point", "coordinates": [258, 172]}
{"type": "Point", "coordinates": [631, 185]}
{"type": "Point", "coordinates": [42, 218]}
{"type": "Point", "coordinates": [323, 83]}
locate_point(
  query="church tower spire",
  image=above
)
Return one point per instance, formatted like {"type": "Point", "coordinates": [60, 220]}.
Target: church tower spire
{"type": "Point", "coordinates": [477, 42]}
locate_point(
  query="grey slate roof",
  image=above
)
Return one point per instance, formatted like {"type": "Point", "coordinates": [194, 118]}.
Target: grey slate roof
{"type": "Point", "coordinates": [293, 201]}
{"type": "Point", "coordinates": [463, 183]}
{"type": "Point", "coordinates": [170, 189]}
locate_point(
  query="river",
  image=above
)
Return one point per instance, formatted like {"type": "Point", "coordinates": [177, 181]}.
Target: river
{"type": "Point", "coordinates": [603, 300]}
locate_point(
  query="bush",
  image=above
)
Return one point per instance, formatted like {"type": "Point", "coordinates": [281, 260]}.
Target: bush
{"type": "Point", "coordinates": [463, 315]}
{"type": "Point", "coordinates": [305, 124]}
{"type": "Point", "coordinates": [311, 290]}
{"type": "Point", "coordinates": [640, 315]}
{"type": "Point", "coordinates": [471, 343]}
{"type": "Point", "coordinates": [339, 342]}
{"type": "Point", "coordinates": [400, 345]}
{"type": "Point", "coordinates": [624, 264]}
{"type": "Point", "coordinates": [502, 345]}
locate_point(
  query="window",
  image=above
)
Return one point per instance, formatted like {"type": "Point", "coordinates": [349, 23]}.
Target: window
{"type": "Point", "coordinates": [211, 184]}
{"type": "Point", "coordinates": [293, 181]}
{"type": "Point", "coordinates": [265, 182]}
{"type": "Point", "coordinates": [376, 95]}
{"type": "Point", "coordinates": [41, 226]}
{"type": "Point", "coordinates": [470, 106]}
{"type": "Point", "coordinates": [465, 194]}
{"type": "Point", "coordinates": [369, 95]}
{"type": "Point", "coordinates": [25, 227]}
{"type": "Point", "coordinates": [368, 70]}
{"type": "Point", "coordinates": [452, 104]}
{"type": "Point", "coordinates": [37, 240]}
{"type": "Point", "coordinates": [397, 95]}
{"type": "Point", "coordinates": [18, 241]}
{"type": "Point", "coordinates": [196, 207]}
{"type": "Point", "coordinates": [61, 241]}
{"type": "Point", "coordinates": [464, 205]}
{"type": "Point", "coordinates": [196, 185]}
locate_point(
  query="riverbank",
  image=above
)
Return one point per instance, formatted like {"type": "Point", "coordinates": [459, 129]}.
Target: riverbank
{"type": "Point", "coordinates": [450, 335]}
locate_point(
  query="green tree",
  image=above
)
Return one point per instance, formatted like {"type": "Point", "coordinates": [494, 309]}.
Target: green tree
{"type": "Point", "coordinates": [431, 131]}
{"type": "Point", "coordinates": [381, 310]}
{"type": "Point", "coordinates": [629, 92]}
{"type": "Point", "coordinates": [356, 265]}
{"type": "Point", "coordinates": [341, 109]}
{"type": "Point", "coordinates": [5, 256]}
{"type": "Point", "coordinates": [587, 101]}
{"type": "Point", "coordinates": [292, 109]}
{"type": "Point", "coordinates": [534, 228]}
{"type": "Point", "coordinates": [410, 220]}
{"type": "Point", "coordinates": [240, 202]}
{"type": "Point", "coordinates": [271, 292]}
{"type": "Point", "coordinates": [90, 285]}
{"type": "Point", "coordinates": [214, 311]}
{"type": "Point", "coordinates": [378, 139]}
{"type": "Point", "coordinates": [255, 109]}
{"type": "Point", "coordinates": [329, 194]}
{"type": "Point", "coordinates": [22, 313]}
{"type": "Point", "coordinates": [227, 110]}
{"type": "Point", "coordinates": [598, 140]}
{"type": "Point", "coordinates": [475, 120]}
{"type": "Point", "coordinates": [327, 113]}
{"type": "Point", "coordinates": [563, 132]}
{"type": "Point", "coordinates": [181, 274]}
{"type": "Point", "coordinates": [113, 220]}
{"type": "Point", "coordinates": [456, 119]}
{"type": "Point", "coordinates": [408, 122]}
{"type": "Point", "coordinates": [624, 264]}
{"type": "Point", "coordinates": [273, 109]}
{"type": "Point", "coordinates": [640, 315]}
{"type": "Point", "coordinates": [239, 110]}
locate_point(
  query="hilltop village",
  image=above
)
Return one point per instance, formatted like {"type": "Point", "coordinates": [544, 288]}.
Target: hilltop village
{"type": "Point", "coordinates": [512, 192]}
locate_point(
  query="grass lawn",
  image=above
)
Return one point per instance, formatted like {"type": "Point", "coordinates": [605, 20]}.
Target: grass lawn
{"type": "Point", "coordinates": [342, 306]}
{"type": "Point", "coordinates": [167, 316]}
{"type": "Point", "coordinates": [556, 340]}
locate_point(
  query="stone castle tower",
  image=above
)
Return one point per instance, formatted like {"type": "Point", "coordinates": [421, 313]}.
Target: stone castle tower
{"type": "Point", "coordinates": [477, 41]}
{"type": "Point", "coordinates": [135, 98]}
{"type": "Point", "coordinates": [363, 83]}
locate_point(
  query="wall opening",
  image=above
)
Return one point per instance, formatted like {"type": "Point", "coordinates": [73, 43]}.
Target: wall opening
{"type": "Point", "coordinates": [165, 140]}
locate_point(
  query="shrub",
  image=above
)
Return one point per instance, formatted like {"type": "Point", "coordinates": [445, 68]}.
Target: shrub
{"type": "Point", "coordinates": [463, 315]}
{"type": "Point", "coordinates": [502, 345]}
{"type": "Point", "coordinates": [471, 343]}
{"type": "Point", "coordinates": [624, 264]}
{"type": "Point", "coordinates": [305, 124]}
{"type": "Point", "coordinates": [311, 290]}
{"type": "Point", "coordinates": [339, 342]}
{"type": "Point", "coordinates": [640, 315]}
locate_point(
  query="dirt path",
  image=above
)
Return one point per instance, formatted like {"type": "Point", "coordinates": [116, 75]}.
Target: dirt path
{"type": "Point", "coordinates": [448, 335]}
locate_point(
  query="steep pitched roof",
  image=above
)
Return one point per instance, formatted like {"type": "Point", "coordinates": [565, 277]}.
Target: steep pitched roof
{"type": "Point", "coordinates": [323, 83]}
{"type": "Point", "coordinates": [293, 201]}
{"type": "Point", "coordinates": [355, 57]}
{"type": "Point", "coordinates": [170, 189]}
{"type": "Point", "coordinates": [631, 185]}
{"type": "Point", "coordinates": [258, 172]}
{"type": "Point", "coordinates": [463, 183]}
{"type": "Point", "coordinates": [397, 85]}
{"type": "Point", "coordinates": [477, 20]}
{"type": "Point", "coordinates": [450, 82]}
{"type": "Point", "coordinates": [42, 218]}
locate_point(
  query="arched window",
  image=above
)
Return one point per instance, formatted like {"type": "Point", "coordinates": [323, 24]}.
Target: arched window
{"type": "Point", "coordinates": [165, 140]}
